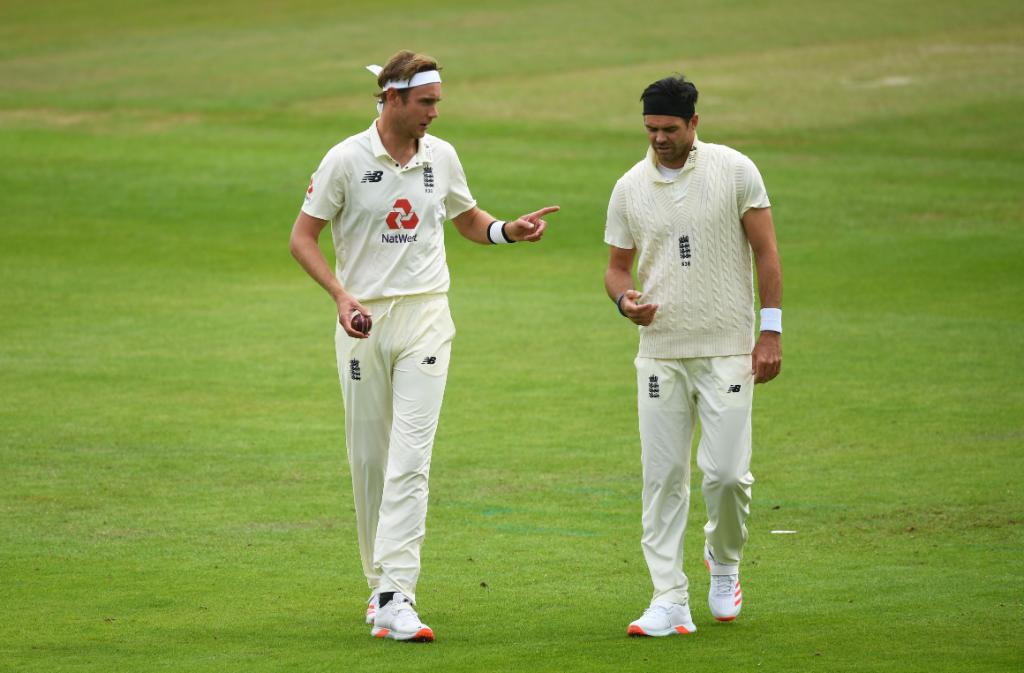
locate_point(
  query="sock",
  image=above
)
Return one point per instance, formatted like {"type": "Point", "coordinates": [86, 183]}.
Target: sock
{"type": "Point", "coordinates": [385, 597]}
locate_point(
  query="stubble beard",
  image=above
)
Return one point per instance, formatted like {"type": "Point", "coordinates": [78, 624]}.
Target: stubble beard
{"type": "Point", "coordinates": [674, 157]}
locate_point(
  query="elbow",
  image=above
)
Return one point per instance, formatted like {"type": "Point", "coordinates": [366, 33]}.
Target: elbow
{"type": "Point", "coordinates": [766, 258]}
{"type": "Point", "coordinates": [295, 246]}
{"type": "Point", "coordinates": [613, 273]}
{"type": "Point", "coordinates": [612, 279]}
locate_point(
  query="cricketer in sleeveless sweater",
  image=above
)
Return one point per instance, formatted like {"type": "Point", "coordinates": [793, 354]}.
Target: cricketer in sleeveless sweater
{"type": "Point", "coordinates": [694, 258]}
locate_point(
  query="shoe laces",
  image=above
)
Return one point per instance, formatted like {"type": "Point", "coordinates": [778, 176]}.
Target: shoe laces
{"type": "Point", "coordinates": [722, 585]}
{"type": "Point", "coordinates": [403, 605]}
{"type": "Point", "coordinates": [657, 608]}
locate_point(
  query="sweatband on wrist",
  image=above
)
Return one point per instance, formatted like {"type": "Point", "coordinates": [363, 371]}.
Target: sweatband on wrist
{"type": "Point", "coordinates": [496, 233]}
{"type": "Point", "coordinates": [771, 320]}
{"type": "Point", "coordinates": [618, 305]}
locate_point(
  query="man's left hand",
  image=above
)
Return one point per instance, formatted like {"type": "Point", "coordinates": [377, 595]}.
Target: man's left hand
{"type": "Point", "coordinates": [766, 360]}
{"type": "Point", "coordinates": [529, 227]}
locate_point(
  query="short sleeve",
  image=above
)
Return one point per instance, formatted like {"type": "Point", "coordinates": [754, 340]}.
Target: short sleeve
{"type": "Point", "coordinates": [325, 196]}
{"type": "Point", "coordinates": [750, 190]}
{"type": "Point", "coordinates": [616, 228]}
{"type": "Point", "coordinates": [458, 199]}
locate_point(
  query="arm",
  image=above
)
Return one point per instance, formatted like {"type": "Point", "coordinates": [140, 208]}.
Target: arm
{"type": "Point", "coordinates": [766, 360]}
{"type": "Point", "coordinates": [618, 282]}
{"type": "Point", "coordinates": [304, 248]}
{"type": "Point", "coordinates": [474, 222]}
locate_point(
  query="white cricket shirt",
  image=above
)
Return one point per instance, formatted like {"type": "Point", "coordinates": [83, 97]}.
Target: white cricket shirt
{"type": "Point", "coordinates": [387, 221]}
{"type": "Point", "coordinates": [693, 257]}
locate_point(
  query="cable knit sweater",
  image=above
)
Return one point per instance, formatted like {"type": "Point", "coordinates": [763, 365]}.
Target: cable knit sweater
{"type": "Point", "coordinates": [693, 256]}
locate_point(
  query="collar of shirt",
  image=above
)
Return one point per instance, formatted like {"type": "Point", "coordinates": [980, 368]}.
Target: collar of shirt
{"type": "Point", "coordinates": [423, 155]}
{"type": "Point", "coordinates": [691, 163]}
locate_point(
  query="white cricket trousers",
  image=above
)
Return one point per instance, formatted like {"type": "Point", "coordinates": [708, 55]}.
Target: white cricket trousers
{"type": "Point", "coordinates": [392, 384]}
{"type": "Point", "coordinates": [671, 395]}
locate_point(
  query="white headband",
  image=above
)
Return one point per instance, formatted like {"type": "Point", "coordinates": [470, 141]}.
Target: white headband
{"type": "Point", "coordinates": [419, 79]}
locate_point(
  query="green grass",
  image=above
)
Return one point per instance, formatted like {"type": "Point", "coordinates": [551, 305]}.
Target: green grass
{"type": "Point", "coordinates": [174, 491]}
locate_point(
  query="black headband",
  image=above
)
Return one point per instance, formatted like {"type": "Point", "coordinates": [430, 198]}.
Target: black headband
{"type": "Point", "coordinates": [658, 103]}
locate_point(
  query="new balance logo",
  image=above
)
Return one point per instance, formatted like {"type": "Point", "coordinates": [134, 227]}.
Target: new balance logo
{"type": "Point", "coordinates": [429, 360]}
{"type": "Point", "coordinates": [684, 250]}
{"type": "Point", "coordinates": [372, 176]}
{"type": "Point", "coordinates": [353, 370]}
{"type": "Point", "coordinates": [653, 389]}
{"type": "Point", "coordinates": [733, 389]}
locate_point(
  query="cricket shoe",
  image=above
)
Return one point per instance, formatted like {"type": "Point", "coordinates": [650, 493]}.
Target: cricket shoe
{"type": "Point", "coordinates": [372, 603]}
{"type": "Point", "coordinates": [398, 620]}
{"type": "Point", "coordinates": [725, 598]}
{"type": "Point", "coordinates": [663, 619]}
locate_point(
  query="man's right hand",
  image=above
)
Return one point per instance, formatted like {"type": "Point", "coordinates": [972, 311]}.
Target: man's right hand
{"type": "Point", "coordinates": [641, 314]}
{"type": "Point", "coordinates": [347, 306]}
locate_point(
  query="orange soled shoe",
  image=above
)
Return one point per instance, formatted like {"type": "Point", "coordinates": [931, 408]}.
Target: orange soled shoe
{"type": "Point", "coordinates": [397, 619]}
{"type": "Point", "coordinates": [725, 598]}
{"type": "Point", "coordinates": [663, 619]}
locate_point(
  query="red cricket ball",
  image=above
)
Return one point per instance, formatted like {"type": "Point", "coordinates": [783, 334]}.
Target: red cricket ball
{"type": "Point", "coordinates": [361, 323]}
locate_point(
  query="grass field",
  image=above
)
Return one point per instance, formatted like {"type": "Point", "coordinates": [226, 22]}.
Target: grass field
{"type": "Point", "coordinates": [174, 493]}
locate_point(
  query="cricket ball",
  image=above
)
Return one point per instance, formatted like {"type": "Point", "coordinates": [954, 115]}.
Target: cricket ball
{"type": "Point", "coordinates": [361, 323]}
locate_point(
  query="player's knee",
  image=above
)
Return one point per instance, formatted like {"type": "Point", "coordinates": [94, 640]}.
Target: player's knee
{"type": "Point", "coordinates": [725, 479]}
{"type": "Point", "coordinates": [410, 487]}
{"type": "Point", "coordinates": [370, 464]}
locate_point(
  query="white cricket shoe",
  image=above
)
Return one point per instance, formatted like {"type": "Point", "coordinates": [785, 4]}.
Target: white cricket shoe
{"type": "Point", "coordinates": [663, 619]}
{"type": "Point", "coordinates": [398, 620]}
{"type": "Point", "coordinates": [372, 603]}
{"type": "Point", "coordinates": [725, 598]}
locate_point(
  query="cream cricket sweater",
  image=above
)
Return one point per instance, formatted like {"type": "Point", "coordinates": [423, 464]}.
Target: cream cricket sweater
{"type": "Point", "coordinates": [694, 259]}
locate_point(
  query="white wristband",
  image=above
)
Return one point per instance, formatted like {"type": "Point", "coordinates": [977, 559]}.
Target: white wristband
{"type": "Point", "coordinates": [771, 320]}
{"type": "Point", "coordinates": [496, 233]}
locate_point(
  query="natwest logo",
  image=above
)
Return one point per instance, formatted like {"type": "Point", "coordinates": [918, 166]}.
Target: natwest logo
{"type": "Point", "coordinates": [402, 215]}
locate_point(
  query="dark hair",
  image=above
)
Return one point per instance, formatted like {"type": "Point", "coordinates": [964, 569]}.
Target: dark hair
{"type": "Point", "coordinates": [676, 94]}
{"type": "Point", "coordinates": [402, 66]}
